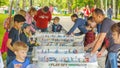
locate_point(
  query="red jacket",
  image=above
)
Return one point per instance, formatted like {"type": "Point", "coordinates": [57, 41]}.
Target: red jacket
{"type": "Point", "coordinates": [42, 19]}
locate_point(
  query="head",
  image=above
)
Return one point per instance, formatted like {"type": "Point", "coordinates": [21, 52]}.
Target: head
{"type": "Point", "coordinates": [26, 28]}
{"type": "Point", "coordinates": [18, 21]}
{"type": "Point", "coordinates": [98, 15]}
{"type": "Point", "coordinates": [32, 11]}
{"type": "Point", "coordinates": [74, 17]}
{"type": "Point", "coordinates": [56, 20]}
{"type": "Point", "coordinates": [46, 9]}
{"type": "Point", "coordinates": [91, 22]}
{"type": "Point", "coordinates": [116, 32]}
{"type": "Point", "coordinates": [20, 50]}
{"type": "Point", "coordinates": [22, 12]}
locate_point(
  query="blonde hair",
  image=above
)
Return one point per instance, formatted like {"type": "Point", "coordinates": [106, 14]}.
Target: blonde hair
{"type": "Point", "coordinates": [19, 45]}
{"type": "Point", "coordinates": [22, 12]}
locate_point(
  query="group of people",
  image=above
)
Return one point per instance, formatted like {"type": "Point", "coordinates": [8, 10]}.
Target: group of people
{"type": "Point", "coordinates": [26, 23]}
{"type": "Point", "coordinates": [107, 39]}
{"type": "Point", "coordinates": [20, 28]}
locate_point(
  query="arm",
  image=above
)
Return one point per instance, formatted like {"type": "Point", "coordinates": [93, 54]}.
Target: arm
{"type": "Point", "coordinates": [9, 45]}
{"type": "Point", "coordinates": [98, 42]}
{"type": "Point", "coordinates": [73, 28]}
{"type": "Point", "coordinates": [99, 54]}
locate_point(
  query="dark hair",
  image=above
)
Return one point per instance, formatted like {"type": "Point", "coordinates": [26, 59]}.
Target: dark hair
{"type": "Point", "coordinates": [46, 8]}
{"type": "Point", "coordinates": [90, 18]}
{"type": "Point", "coordinates": [19, 18]}
{"type": "Point", "coordinates": [99, 11]}
{"type": "Point", "coordinates": [74, 15]}
{"type": "Point", "coordinates": [116, 27]}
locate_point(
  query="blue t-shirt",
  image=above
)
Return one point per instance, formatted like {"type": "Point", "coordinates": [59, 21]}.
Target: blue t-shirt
{"type": "Point", "coordinates": [80, 24]}
{"type": "Point", "coordinates": [14, 35]}
{"type": "Point", "coordinates": [24, 64]}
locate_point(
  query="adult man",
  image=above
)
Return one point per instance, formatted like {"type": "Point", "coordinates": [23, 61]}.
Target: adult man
{"type": "Point", "coordinates": [106, 24]}
{"type": "Point", "coordinates": [79, 23]}
{"type": "Point", "coordinates": [42, 18]}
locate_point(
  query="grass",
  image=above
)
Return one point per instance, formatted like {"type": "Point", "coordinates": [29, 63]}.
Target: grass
{"type": "Point", "coordinates": [2, 30]}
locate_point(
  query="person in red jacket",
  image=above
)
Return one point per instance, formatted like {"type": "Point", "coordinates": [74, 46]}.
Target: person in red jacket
{"type": "Point", "coordinates": [42, 18]}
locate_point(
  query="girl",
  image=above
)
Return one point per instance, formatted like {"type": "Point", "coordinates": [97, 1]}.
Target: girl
{"type": "Point", "coordinates": [116, 37]}
{"type": "Point", "coordinates": [29, 18]}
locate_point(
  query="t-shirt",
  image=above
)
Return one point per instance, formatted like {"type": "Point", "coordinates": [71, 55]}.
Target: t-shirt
{"type": "Point", "coordinates": [14, 35]}
{"type": "Point", "coordinates": [106, 28]}
{"type": "Point", "coordinates": [24, 64]}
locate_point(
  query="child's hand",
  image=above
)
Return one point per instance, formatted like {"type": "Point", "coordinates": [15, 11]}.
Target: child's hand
{"type": "Point", "coordinates": [99, 54]}
{"type": "Point", "coordinates": [17, 65]}
{"type": "Point", "coordinates": [32, 42]}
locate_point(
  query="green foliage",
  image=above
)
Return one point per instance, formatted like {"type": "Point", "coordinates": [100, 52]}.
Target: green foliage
{"type": "Point", "coordinates": [2, 30]}
{"type": "Point", "coordinates": [4, 2]}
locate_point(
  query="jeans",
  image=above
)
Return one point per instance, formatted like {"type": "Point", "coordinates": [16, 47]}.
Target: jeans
{"type": "Point", "coordinates": [10, 59]}
{"type": "Point", "coordinates": [111, 60]}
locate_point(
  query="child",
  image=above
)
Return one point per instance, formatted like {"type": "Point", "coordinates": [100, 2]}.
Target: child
{"type": "Point", "coordinates": [116, 37]}
{"type": "Point", "coordinates": [56, 27]}
{"type": "Point", "coordinates": [20, 50]}
{"type": "Point", "coordinates": [90, 35]}
{"type": "Point", "coordinates": [29, 18]}
{"type": "Point", "coordinates": [25, 35]}
{"type": "Point", "coordinates": [14, 36]}
{"type": "Point", "coordinates": [22, 12]}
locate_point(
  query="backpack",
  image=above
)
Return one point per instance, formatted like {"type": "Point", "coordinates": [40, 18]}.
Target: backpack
{"type": "Point", "coordinates": [7, 23]}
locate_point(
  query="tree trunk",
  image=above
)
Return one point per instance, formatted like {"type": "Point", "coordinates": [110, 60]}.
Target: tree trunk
{"type": "Point", "coordinates": [17, 5]}
{"type": "Point", "coordinates": [69, 3]}
{"type": "Point", "coordinates": [11, 5]}
{"type": "Point", "coordinates": [102, 6]}
{"type": "Point", "coordinates": [114, 8]}
{"type": "Point", "coordinates": [106, 6]}
{"type": "Point", "coordinates": [30, 3]}
{"type": "Point", "coordinates": [116, 12]}
{"type": "Point", "coordinates": [24, 4]}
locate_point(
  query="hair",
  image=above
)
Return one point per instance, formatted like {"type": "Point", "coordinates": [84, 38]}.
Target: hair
{"type": "Point", "coordinates": [90, 18]}
{"type": "Point", "coordinates": [99, 11]}
{"type": "Point", "coordinates": [74, 15]}
{"type": "Point", "coordinates": [22, 12]}
{"type": "Point", "coordinates": [32, 9]}
{"type": "Point", "coordinates": [19, 18]}
{"type": "Point", "coordinates": [116, 27]}
{"type": "Point", "coordinates": [57, 18]}
{"type": "Point", "coordinates": [19, 45]}
{"type": "Point", "coordinates": [46, 9]}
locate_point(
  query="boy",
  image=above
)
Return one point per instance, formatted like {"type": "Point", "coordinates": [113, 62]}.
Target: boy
{"type": "Point", "coordinates": [78, 23]}
{"type": "Point", "coordinates": [56, 27]}
{"type": "Point", "coordinates": [14, 36]}
{"type": "Point", "coordinates": [25, 35]}
{"type": "Point", "coordinates": [90, 35]}
{"type": "Point", "coordinates": [20, 50]}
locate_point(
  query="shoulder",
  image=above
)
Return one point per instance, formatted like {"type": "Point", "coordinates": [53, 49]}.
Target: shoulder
{"type": "Point", "coordinates": [107, 20]}
{"type": "Point", "coordinates": [13, 30]}
{"type": "Point", "coordinates": [27, 60]}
